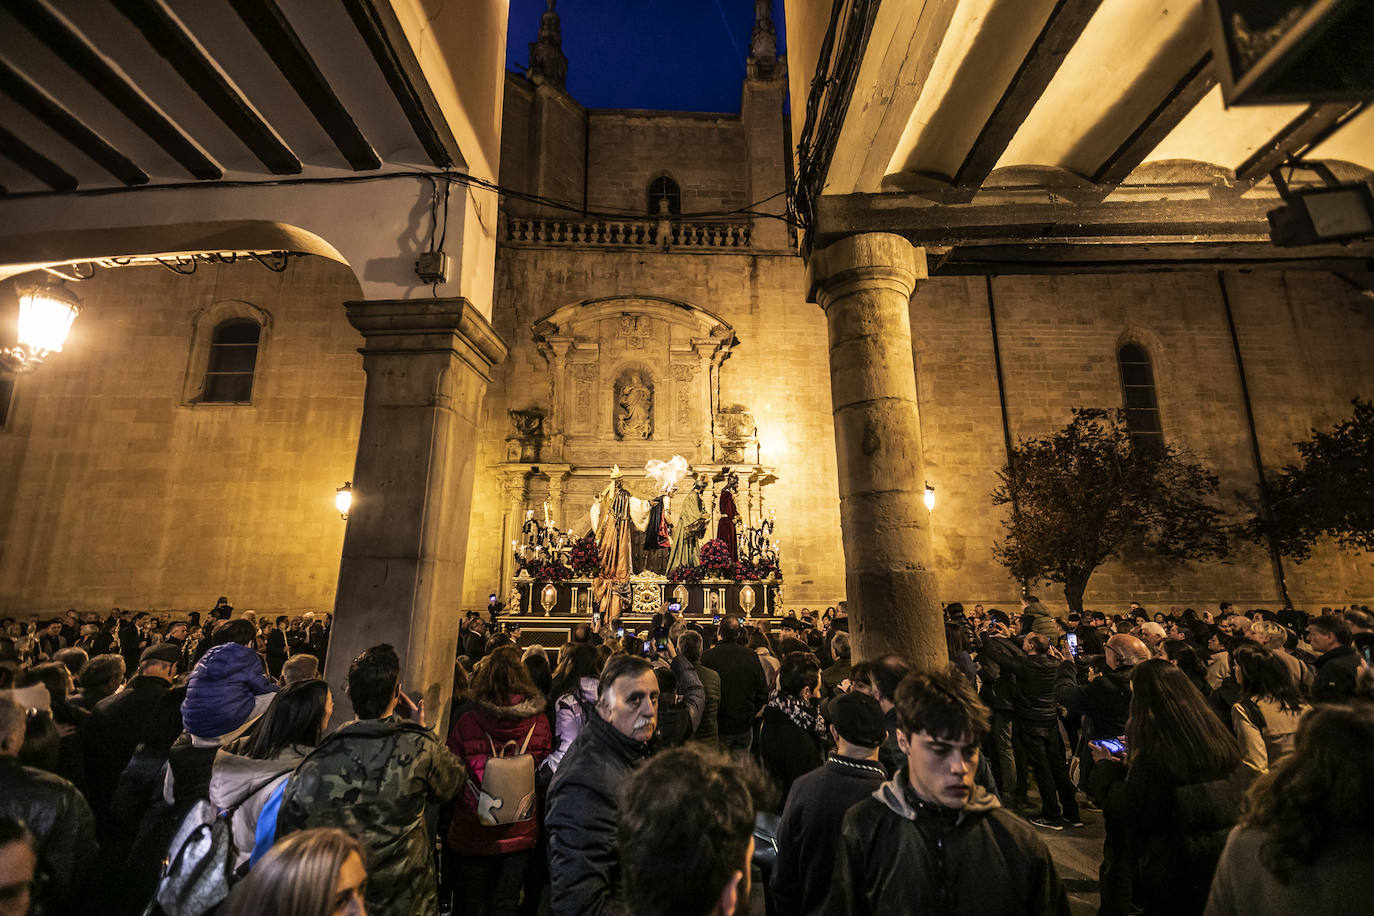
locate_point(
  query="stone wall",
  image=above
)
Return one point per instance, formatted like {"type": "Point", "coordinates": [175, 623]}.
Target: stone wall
{"type": "Point", "coordinates": [1299, 335]}
{"type": "Point", "coordinates": [117, 493]}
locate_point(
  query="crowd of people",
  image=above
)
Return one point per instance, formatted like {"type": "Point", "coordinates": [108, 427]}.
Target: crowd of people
{"type": "Point", "coordinates": [1230, 758]}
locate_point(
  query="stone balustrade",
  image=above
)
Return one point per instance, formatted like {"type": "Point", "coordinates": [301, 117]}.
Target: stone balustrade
{"type": "Point", "coordinates": [597, 233]}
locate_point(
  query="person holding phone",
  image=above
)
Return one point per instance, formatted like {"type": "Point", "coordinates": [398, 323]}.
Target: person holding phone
{"type": "Point", "coordinates": [1170, 796]}
{"type": "Point", "coordinates": [1099, 691]}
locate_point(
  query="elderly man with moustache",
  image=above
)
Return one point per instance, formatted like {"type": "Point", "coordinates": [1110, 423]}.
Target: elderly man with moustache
{"type": "Point", "coordinates": [584, 795]}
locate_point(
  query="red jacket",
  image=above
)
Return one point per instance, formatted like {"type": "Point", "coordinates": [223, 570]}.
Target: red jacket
{"type": "Point", "coordinates": [474, 722]}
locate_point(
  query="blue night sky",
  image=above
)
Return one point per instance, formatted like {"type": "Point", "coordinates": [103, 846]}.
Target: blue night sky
{"type": "Point", "coordinates": [681, 55]}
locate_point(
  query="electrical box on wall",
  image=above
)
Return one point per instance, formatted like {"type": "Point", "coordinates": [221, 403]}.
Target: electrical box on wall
{"type": "Point", "coordinates": [432, 267]}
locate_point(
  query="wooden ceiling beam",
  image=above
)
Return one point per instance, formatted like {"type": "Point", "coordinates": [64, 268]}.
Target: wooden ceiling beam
{"type": "Point", "coordinates": [269, 25]}
{"type": "Point", "coordinates": [35, 163]}
{"type": "Point", "coordinates": [63, 40]}
{"type": "Point", "coordinates": [1182, 98]}
{"type": "Point", "coordinates": [1314, 125]}
{"type": "Point", "coordinates": [46, 109]}
{"type": "Point", "coordinates": [1057, 37]}
{"type": "Point", "coordinates": [171, 39]}
{"type": "Point", "coordinates": [381, 30]}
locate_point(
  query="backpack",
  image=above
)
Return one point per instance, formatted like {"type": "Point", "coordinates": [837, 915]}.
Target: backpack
{"type": "Point", "coordinates": [506, 795]}
{"type": "Point", "coordinates": [265, 834]}
{"type": "Point", "coordinates": [198, 870]}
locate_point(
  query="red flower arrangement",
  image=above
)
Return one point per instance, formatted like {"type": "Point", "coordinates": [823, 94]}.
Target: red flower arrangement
{"type": "Point", "coordinates": [746, 570]}
{"type": "Point", "coordinates": [551, 572]}
{"type": "Point", "coordinates": [715, 558]}
{"type": "Point", "coordinates": [584, 558]}
{"type": "Point", "coordinates": [766, 568]}
{"type": "Point", "coordinates": [685, 574]}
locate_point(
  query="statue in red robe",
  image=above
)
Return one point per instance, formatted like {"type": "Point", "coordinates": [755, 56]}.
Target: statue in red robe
{"type": "Point", "coordinates": [725, 529]}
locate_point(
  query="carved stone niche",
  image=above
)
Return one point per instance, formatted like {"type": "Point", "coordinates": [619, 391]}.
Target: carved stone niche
{"type": "Point", "coordinates": [526, 440]}
{"type": "Point", "coordinates": [737, 439]}
{"type": "Point", "coordinates": [632, 378]}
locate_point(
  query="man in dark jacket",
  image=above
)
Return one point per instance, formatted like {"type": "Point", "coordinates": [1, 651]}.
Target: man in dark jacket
{"type": "Point", "coordinates": [118, 723]}
{"type": "Point", "coordinates": [53, 810]}
{"type": "Point", "coordinates": [584, 795]}
{"type": "Point", "coordinates": [1103, 700]}
{"type": "Point", "coordinates": [276, 646]}
{"type": "Point", "coordinates": [816, 806]}
{"type": "Point", "coordinates": [708, 731]}
{"type": "Point", "coordinates": [132, 642]}
{"type": "Point", "coordinates": [930, 839]}
{"type": "Point", "coordinates": [373, 778]}
{"type": "Point", "coordinates": [743, 687]}
{"type": "Point", "coordinates": [1337, 662]}
{"type": "Point", "coordinates": [1035, 668]}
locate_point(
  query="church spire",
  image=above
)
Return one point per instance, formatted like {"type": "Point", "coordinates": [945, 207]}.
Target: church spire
{"type": "Point", "coordinates": [547, 62]}
{"type": "Point", "coordinates": [763, 44]}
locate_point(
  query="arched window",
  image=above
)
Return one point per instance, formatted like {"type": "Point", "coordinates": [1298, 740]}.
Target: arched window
{"type": "Point", "coordinates": [1138, 391]}
{"type": "Point", "coordinates": [664, 188]}
{"type": "Point", "coordinates": [233, 356]}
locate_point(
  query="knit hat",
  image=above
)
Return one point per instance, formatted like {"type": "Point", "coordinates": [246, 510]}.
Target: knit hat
{"type": "Point", "coordinates": [858, 718]}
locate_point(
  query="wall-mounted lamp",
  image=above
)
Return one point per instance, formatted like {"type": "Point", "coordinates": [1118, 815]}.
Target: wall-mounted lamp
{"type": "Point", "coordinates": [46, 313]}
{"type": "Point", "coordinates": [343, 499]}
{"type": "Point", "coordinates": [930, 498]}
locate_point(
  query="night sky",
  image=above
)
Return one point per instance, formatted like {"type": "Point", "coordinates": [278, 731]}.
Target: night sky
{"type": "Point", "coordinates": [682, 55]}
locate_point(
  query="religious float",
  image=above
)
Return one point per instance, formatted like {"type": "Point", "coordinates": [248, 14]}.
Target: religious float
{"type": "Point", "coordinates": [641, 554]}
{"type": "Point", "coordinates": [625, 381]}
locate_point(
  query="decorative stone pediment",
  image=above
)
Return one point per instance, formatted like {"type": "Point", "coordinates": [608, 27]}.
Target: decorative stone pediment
{"type": "Point", "coordinates": [632, 378]}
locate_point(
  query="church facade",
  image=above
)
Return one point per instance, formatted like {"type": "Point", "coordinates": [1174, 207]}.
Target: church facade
{"type": "Point", "coordinates": [664, 310]}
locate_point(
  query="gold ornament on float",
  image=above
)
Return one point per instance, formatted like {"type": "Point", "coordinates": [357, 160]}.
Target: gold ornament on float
{"type": "Point", "coordinates": [746, 599]}
{"type": "Point", "coordinates": [548, 597]}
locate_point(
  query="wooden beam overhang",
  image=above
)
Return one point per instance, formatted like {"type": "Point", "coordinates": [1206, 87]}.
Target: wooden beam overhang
{"type": "Point", "coordinates": [1165, 116]}
{"type": "Point", "coordinates": [269, 25]}
{"type": "Point", "coordinates": [63, 40]}
{"type": "Point", "coordinates": [1043, 215]}
{"type": "Point", "coordinates": [39, 104]}
{"type": "Point", "coordinates": [34, 162]}
{"type": "Point", "coordinates": [381, 30]}
{"type": "Point", "coordinates": [1060, 258]}
{"type": "Point", "coordinates": [170, 38]}
{"type": "Point", "coordinates": [1057, 37]}
{"type": "Point", "coordinates": [1308, 129]}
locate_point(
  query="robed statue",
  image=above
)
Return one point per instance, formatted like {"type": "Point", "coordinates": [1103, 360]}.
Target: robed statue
{"type": "Point", "coordinates": [729, 515]}
{"type": "Point", "coordinates": [634, 416]}
{"type": "Point", "coordinates": [690, 526]}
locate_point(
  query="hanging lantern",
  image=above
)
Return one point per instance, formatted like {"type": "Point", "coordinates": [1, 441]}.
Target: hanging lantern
{"type": "Point", "coordinates": [46, 314]}
{"type": "Point", "coordinates": [930, 498]}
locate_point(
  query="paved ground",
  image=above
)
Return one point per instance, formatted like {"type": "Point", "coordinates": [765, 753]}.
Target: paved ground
{"type": "Point", "coordinates": [1077, 853]}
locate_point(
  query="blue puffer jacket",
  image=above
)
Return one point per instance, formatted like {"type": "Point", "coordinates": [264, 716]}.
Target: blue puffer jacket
{"type": "Point", "coordinates": [222, 688]}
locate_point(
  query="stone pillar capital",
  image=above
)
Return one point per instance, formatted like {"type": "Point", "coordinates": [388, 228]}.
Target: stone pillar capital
{"type": "Point", "coordinates": [865, 261]}
{"type": "Point", "coordinates": [419, 326]}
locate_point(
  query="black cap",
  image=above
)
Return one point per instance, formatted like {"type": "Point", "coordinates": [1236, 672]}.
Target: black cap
{"type": "Point", "coordinates": [163, 652]}
{"type": "Point", "coordinates": [858, 718]}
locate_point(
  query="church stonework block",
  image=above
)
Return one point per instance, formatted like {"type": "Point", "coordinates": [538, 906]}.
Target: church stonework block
{"type": "Point", "coordinates": [864, 283]}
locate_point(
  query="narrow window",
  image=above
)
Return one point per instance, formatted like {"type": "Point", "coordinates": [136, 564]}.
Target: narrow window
{"type": "Point", "coordinates": [664, 188]}
{"type": "Point", "coordinates": [233, 355]}
{"type": "Point", "coordinates": [6, 397]}
{"type": "Point", "coordinates": [1138, 390]}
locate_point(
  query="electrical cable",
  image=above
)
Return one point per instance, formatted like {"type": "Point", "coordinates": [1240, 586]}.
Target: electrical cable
{"type": "Point", "coordinates": [446, 176]}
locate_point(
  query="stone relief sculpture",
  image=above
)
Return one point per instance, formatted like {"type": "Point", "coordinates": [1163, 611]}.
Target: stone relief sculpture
{"type": "Point", "coordinates": [634, 414]}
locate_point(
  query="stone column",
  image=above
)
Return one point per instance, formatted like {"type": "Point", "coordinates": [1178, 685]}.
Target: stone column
{"type": "Point", "coordinates": [401, 574]}
{"type": "Point", "coordinates": [513, 487]}
{"type": "Point", "coordinates": [557, 478]}
{"type": "Point", "coordinates": [864, 283]}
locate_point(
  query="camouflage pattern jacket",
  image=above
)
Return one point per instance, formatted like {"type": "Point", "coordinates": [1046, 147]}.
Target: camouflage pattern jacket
{"type": "Point", "coordinates": [373, 778]}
